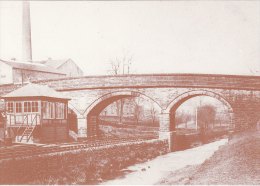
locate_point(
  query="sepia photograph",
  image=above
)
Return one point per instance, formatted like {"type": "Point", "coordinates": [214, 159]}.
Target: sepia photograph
{"type": "Point", "coordinates": [130, 92]}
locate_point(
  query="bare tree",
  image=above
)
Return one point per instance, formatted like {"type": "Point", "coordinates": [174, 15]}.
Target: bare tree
{"type": "Point", "coordinates": [182, 118]}
{"type": "Point", "coordinates": [254, 70]}
{"type": "Point", "coordinates": [138, 110]}
{"type": "Point", "coordinates": [115, 66]}
{"type": "Point", "coordinates": [120, 66]}
{"type": "Point", "coordinates": [153, 113]}
{"type": "Point", "coordinates": [126, 62]}
{"type": "Point", "coordinates": [206, 116]}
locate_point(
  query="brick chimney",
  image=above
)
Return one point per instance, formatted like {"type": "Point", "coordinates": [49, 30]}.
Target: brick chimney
{"type": "Point", "coordinates": [26, 37]}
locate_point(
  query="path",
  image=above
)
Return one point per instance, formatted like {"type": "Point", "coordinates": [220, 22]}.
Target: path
{"type": "Point", "coordinates": [154, 171]}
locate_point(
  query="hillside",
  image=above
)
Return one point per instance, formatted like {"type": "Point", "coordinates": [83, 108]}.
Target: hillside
{"type": "Point", "coordinates": [237, 162]}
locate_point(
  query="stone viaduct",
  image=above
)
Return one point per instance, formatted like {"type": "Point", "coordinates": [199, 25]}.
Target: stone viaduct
{"type": "Point", "coordinates": [91, 94]}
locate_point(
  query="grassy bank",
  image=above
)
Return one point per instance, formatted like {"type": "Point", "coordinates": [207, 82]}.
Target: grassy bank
{"type": "Point", "coordinates": [89, 166]}
{"type": "Point", "coordinates": [235, 163]}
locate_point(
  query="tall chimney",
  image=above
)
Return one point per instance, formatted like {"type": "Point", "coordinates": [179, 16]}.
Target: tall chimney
{"type": "Point", "coordinates": [26, 41]}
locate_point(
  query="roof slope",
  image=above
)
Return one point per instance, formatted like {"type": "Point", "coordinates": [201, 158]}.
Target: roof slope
{"type": "Point", "coordinates": [35, 90]}
{"type": "Point", "coordinates": [32, 66]}
{"type": "Point", "coordinates": [55, 63]}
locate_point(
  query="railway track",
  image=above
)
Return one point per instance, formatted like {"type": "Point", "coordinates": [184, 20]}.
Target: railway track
{"type": "Point", "coordinates": [23, 150]}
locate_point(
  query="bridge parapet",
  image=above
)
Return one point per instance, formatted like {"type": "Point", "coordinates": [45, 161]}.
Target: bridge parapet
{"type": "Point", "coordinates": [148, 80]}
{"type": "Point", "coordinates": [157, 80]}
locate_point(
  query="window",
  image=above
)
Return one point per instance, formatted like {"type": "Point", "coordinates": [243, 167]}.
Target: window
{"type": "Point", "coordinates": [35, 106]}
{"type": "Point", "coordinates": [60, 110]}
{"type": "Point", "coordinates": [52, 110]}
{"type": "Point", "coordinates": [48, 109]}
{"type": "Point", "coordinates": [10, 107]}
{"type": "Point", "coordinates": [27, 106]}
{"type": "Point", "coordinates": [31, 106]}
{"type": "Point", "coordinates": [18, 107]}
{"type": "Point", "coordinates": [45, 110]}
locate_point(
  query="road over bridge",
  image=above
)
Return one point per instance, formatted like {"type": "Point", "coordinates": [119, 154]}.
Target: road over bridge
{"type": "Point", "coordinates": [91, 94]}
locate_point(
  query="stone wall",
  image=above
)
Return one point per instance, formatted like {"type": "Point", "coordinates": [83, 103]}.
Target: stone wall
{"type": "Point", "coordinates": [158, 80]}
{"type": "Point", "coordinates": [240, 93]}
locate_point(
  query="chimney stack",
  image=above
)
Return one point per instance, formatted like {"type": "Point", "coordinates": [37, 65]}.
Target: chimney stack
{"type": "Point", "coordinates": [26, 41]}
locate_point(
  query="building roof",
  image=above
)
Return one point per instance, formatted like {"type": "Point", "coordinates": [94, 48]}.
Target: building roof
{"type": "Point", "coordinates": [32, 66]}
{"type": "Point", "coordinates": [55, 63]}
{"type": "Point", "coordinates": [35, 90]}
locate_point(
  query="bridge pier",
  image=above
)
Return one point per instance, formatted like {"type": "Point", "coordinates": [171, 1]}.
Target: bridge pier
{"type": "Point", "coordinates": [170, 137]}
{"type": "Point", "coordinates": [82, 128]}
{"type": "Point", "coordinates": [87, 127]}
{"type": "Point", "coordinates": [165, 131]}
{"type": "Point", "coordinates": [92, 124]}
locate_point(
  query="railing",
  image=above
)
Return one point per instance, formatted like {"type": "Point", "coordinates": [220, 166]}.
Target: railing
{"type": "Point", "coordinates": [28, 131]}
{"type": "Point", "coordinates": [15, 120]}
{"type": "Point", "coordinates": [73, 135]}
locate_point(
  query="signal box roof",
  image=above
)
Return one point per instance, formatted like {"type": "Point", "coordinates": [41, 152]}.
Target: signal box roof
{"type": "Point", "coordinates": [34, 90]}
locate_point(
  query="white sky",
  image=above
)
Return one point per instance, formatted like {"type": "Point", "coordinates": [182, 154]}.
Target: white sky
{"type": "Point", "coordinates": [163, 37]}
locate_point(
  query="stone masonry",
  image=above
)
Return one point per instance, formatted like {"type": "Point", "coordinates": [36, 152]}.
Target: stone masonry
{"type": "Point", "coordinates": [91, 94]}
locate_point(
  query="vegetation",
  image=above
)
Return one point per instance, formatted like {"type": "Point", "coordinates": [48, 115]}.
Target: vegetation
{"type": "Point", "coordinates": [236, 163]}
{"type": "Point", "coordinates": [130, 132]}
{"type": "Point", "coordinates": [182, 117]}
{"type": "Point", "coordinates": [138, 110]}
{"type": "Point", "coordinates": [206, 116]}
{"type": "Point", "coordinates": [153, 114]}
{"type": "Point", "coordinates": [118, 65]}
{"type": "Point", "coordinates": [89, 166]}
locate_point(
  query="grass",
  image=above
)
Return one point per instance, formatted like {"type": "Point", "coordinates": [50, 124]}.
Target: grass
{"type": "Point", "coordinates": [88, 166]}
{"type": "Point", "coordinates": [235, 163]}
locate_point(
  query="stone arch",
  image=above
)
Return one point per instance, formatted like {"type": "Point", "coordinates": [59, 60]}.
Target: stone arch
{"type": "Point", "coordinates": [169, 112]}
{"type": "Point", "coordinates": [190, 94]}
{"type": "Point", "coordinates": [106, 99]}
{"type": "Point", "coordinates": [93, 110]}
{"type": "Point", "coordinates": [73, 115]}
{"type": "Point", "coordinates": [75, 110]}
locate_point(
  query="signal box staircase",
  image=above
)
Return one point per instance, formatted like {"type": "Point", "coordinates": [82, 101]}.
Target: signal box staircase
{"type": "Point", "coordinates": [27, 134]}
{"type": "Point", "coordinates": [27, 123]}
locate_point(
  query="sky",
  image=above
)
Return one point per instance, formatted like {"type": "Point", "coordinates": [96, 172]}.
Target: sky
{"type": "Point", "coordinates": [215, 37]}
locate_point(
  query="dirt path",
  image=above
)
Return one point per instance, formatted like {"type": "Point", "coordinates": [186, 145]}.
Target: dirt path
{"type": "Point", "coordinates": [236, 163]}
{"type": "Point", "coordinates": [158, 169]}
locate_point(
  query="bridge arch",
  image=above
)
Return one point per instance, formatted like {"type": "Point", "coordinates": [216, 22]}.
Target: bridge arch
{"type": "Point", "coordinates": [103, 101]}
{"type": "Point", "coordinates": [75, 110]}
{"type": "Point", "coordinates": [95, 108]}
{"type": "Point", "coordinates": [168, 115]}
{"type": "Point", "coordinates": [174, 104]}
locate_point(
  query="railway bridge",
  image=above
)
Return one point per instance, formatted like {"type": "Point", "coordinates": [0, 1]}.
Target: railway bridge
{"type": "Point", "coordinates": [91, 94]}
